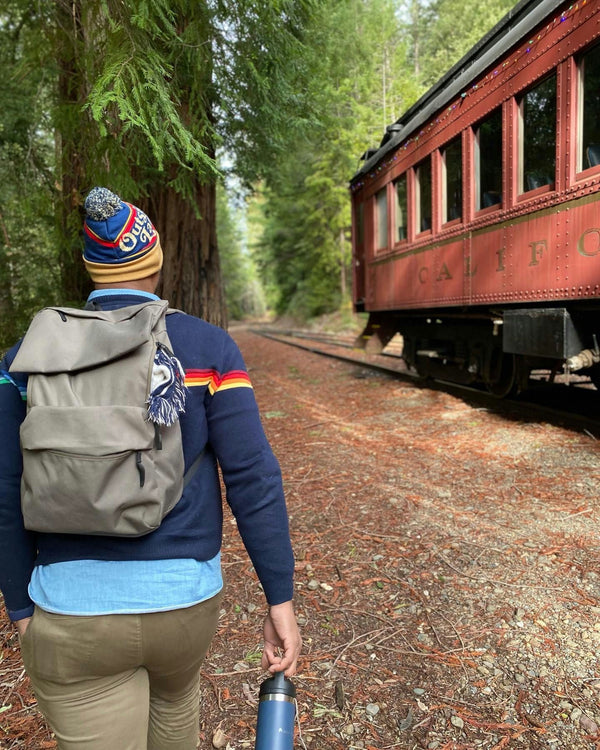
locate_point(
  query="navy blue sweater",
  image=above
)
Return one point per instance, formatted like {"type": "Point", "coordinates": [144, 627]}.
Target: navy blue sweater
{"type": "Point", "coordinates": [222, 419]}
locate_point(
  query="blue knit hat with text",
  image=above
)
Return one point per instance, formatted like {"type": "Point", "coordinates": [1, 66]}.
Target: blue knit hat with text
{"type": "Point", "coordinates": [120, 242]}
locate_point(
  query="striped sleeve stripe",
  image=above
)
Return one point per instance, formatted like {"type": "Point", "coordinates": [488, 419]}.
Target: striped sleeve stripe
{"type": "Point", "coordinates": [217, 382]}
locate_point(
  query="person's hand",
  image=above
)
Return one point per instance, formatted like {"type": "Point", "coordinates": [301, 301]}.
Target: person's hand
{"type": "Point", "coordinates": [281, 632]}
{"type": "Point", "coordinates": [22, 625]}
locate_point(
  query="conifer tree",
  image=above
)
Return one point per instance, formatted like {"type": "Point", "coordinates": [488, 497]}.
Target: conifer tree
{"type": "Point", "coordinates": [358, 72]}
{"type": "Point", "coordinates": [145, 92]}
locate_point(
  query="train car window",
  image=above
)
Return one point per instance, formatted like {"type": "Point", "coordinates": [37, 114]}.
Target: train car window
{"type": "Point", "coordinates": [452, 160]}
{"type": "Point", "coordinates": [381, 219]}
{"type": "Point", "coordinates": [589, 67]}
{"type": "Point", "coordinates": [488, 161]}
{"type": "Point", "coordinates": [401, 216]}
{"type": "Point", "coordinates": [538, 142]}
{"type": "Point", "coordinates": [423, 184]}
{"type": "Point", "coordinates": [360, 224]}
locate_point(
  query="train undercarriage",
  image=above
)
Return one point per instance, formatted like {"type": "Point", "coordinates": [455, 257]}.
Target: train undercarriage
{"type": "Point", "coordinates": [496, 348]}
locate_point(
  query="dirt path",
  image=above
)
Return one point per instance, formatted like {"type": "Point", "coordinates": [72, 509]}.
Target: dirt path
{"type": "Point", "coordinates": [447, 573]}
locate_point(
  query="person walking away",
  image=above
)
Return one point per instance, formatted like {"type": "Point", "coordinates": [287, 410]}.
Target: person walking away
{"type": "Point", "coordinates": [114, 628]}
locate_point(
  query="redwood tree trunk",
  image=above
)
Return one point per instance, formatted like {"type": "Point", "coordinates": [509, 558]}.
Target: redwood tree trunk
{"type": "Point", "coordinates": [191, 276]}
{"type": "Point", "coordinates": [70, 147]}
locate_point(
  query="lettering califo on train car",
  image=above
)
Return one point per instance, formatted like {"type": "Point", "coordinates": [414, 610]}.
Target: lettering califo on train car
{"type": "Point", "coordinates": [588, 246]}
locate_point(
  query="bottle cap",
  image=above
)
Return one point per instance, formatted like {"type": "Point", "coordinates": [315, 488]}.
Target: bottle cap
{"type": "Point", "coordinates": [278, 684]}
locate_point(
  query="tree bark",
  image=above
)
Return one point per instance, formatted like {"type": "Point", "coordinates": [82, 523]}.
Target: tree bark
{"type": "Point", "coordinates": [70, 37]}
{"type": "Point", "coordinates": [191, 278]}
{"type": "Point", "coordinates": [191, 275]}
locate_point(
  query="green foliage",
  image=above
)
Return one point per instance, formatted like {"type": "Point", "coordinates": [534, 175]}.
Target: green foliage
{"type": "Point", "coordinates": [261, 69]}
{"type": "Point", "coordinates": [28, 247]}
{"type": "Point", "coordinates": [446, 41]}
{"type": "Point", "coordinates": [143, 92]}
{"type": "Point", "coordinates": [140, 95]}
{"type": "Point", "coordinates": [243, 291]}
{"type": "Point", "coordinates": [171, 80]}
{"type": "Point", "coordinates": [352, 70]}
{"type": "Point", "coordinates": [365, 63]}
{"type": "Point", "coordinates": [146, 106]}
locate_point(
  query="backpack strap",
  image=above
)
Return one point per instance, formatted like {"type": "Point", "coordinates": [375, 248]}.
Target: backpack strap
{"type": "Point", "coordinates": [189, 474]}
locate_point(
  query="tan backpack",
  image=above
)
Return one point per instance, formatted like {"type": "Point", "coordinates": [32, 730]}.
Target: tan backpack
{"type": "Point", "coordinates": [93, 461]}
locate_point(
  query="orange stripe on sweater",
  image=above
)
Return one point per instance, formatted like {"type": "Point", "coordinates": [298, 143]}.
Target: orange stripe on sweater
{"type": "Point", "coordinates": [217, 382]}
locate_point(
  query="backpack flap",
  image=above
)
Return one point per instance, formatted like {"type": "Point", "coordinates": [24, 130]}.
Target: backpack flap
{"type": "Point", "coordinates": [63, 339]}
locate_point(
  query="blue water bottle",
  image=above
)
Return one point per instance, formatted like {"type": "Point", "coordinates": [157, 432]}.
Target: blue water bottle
{"type": "Point", "coordinates": [276, 714]}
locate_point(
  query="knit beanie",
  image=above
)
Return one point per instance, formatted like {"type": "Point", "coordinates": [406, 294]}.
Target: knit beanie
{"type": "Point", "coordinates": [120, 242]}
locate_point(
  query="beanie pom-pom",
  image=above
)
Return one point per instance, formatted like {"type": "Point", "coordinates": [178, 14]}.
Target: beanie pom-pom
{"type": "Point", "coordinates": [101, 204]}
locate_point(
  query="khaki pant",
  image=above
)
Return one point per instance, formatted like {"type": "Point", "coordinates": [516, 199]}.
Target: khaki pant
{"type": "Point", "coordinates": [121, 682]}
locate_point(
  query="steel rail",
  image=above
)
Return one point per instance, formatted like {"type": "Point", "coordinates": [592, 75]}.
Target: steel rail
{"type": "Point", "coordinates": [583, 415]}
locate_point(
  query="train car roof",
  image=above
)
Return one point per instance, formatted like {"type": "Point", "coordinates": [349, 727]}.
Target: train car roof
{"type": "Point", "coordinates": [509, 31]}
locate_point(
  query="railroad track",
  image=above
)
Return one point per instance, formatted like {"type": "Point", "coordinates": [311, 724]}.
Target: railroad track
{"type": "Point", "coordinates": [578, 399]}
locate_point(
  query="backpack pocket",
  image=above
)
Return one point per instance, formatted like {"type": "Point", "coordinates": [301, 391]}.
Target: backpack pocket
{"type": "Point", "coordinates": [97, 470]}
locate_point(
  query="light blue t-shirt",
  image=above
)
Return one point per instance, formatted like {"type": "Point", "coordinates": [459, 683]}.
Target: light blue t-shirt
{"type": "Point", "coordinates": [97, 293]}
{"type": "Point", "coordinates": [106, 587]}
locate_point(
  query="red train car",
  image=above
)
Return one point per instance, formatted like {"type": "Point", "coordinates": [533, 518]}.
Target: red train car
{"type": "Point", "coordinates": [476, 222]}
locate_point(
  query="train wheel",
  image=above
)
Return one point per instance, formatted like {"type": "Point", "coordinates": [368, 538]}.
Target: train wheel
{"type": "Point", "coordinates": [505, 376]}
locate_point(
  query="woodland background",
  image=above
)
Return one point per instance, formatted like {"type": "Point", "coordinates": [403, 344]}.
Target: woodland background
{"type": "Point", "coordinates": [235, 125]}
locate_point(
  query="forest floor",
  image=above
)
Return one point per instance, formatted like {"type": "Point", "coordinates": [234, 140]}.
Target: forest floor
{"type": "Point", "coordinates": [448, 573]}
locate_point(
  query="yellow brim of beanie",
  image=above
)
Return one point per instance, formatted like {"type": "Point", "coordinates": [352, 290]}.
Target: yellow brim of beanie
{"type": "Point", "coordinates": [114, 273]}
